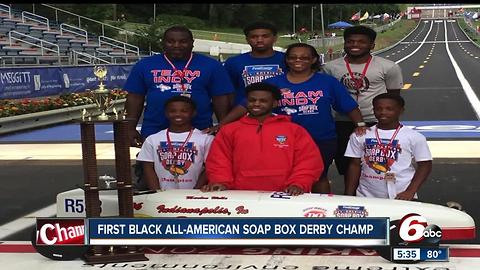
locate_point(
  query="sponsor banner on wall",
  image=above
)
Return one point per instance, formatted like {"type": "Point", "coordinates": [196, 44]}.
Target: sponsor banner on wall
{"type": "Point", "coordinates": [47, 81]}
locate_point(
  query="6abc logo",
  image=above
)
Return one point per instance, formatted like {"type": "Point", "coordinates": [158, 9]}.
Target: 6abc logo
{"type": "Point", "coordinates": [413, 228]}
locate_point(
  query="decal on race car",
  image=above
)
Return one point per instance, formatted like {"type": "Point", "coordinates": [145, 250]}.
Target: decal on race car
{"type": "Point", "coordinates": [280, 195]}
{"type": "Point", "coordinates": [162, 208]}
{"type": "Point", "coordinates": [314, 212]}
{"type": "Point", "coordinates": [196, 197]}
{"type": "Point", "coordinates": [74, 205]}
{"type": "Point", "coordinates": [219, 198]}
{"type": "Point", "coordinates": [137, 206]}
{"type": "Point", "coordinates": [350, 211]}
{"type": "Point", "coordinates": [241, 210]}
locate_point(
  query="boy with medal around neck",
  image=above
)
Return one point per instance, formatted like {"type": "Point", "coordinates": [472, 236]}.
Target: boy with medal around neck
{"type": "Point", "coordinates": [365, 76]}
{"type": "Point", "coordinates": [381, 163]}
{"type": "Point", "coordinates": [173, 158]}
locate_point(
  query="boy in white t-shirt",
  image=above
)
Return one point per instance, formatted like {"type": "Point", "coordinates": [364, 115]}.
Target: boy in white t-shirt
{"type": "Point", "coordinates": [382, 163]}
{"type": "Point", "coordinates": [174, 157]}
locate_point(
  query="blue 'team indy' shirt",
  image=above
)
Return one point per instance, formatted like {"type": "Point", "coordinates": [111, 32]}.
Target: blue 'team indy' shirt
{"type": "Point", "coordinates": [310, 103]}
{"type": "Point", "coordinates": [154, 77]}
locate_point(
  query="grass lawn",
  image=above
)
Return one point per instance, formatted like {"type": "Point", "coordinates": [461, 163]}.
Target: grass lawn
{"type": "Point", "coordinates": [390, 36]}
{"type": "Point", "coordinates": [394, 34]}
{"type": "Point", "coordinates": [464, 26]}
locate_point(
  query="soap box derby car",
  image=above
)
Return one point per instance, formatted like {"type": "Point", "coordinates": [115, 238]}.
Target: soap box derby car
{"type": "Point", "coordinates": [454, 224]}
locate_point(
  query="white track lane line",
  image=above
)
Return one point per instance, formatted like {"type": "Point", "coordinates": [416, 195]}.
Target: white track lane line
{"type": "Point", "coordinates": [27, 221]}
{"type": "Point", "coordinates": [418, 48]}
{"type": "Point", "coordinates": [467, 88]}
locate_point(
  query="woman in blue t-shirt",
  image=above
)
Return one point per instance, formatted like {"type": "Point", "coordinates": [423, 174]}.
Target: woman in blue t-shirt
{"type": "Point", "coordinates": [309, 97]}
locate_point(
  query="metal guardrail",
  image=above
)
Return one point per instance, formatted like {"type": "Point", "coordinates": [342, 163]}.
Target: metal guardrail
{"type": "Point", "coordinates": [118, 44]}
{"type": "Point", "coordinates": [91, 58]}
{"type": "Point", "coordinates": [105, 55]}
{"type": "Point", "coordinates": [7, 9]}
{"type": "Point", "coordinates": [40, 119]}
{"type": "Point", "coordinates": [115, 59]}
{"type": "Point", "coordinates": [36, 18]}
{"type": "Point", "coordinates": [73, 30]}
{"type": "Point", "coordinates": [62, 60]}
{"type": "Point", "coordinates": [79, 17]}
{"type": "Point", "coordinates": [41, 46]}
{"type": "Point", "coordinates": [13, 61]}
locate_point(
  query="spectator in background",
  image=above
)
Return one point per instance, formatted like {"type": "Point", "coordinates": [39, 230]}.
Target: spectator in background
{"type": "Point", "coordinates": [262, 150]}
{"type": "Point", "coordinates": [382, 160]}
{"type": "Point", "coordinates": [330, 54]}
{"type": "Point", "coordinates": [177, 71]}
{"type": "Point", "coordinates": [365, 76]}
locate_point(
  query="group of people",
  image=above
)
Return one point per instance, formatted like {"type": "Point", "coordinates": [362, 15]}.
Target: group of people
{"type": "Point", "coordinates": [282, 119]}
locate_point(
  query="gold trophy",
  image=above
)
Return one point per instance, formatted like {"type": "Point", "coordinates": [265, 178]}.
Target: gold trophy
{"type": "Point", "coordinates": [102, 96]}
{"type": "Point", "coordinates": [122, 182]}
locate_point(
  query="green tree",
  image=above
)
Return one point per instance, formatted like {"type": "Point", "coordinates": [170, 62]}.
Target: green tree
{"type": "Point", "coordinates": [221, 15]}
{"type": "Point", "coordinates": [280, 15]}
{"type": "Point", "coordinates": [150, 38]}
{"type": "Point", "coordinates": [245, 14]}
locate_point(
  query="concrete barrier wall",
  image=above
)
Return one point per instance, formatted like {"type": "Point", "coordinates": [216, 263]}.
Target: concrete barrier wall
{"type": "Point", "coordinates": [220, 47]}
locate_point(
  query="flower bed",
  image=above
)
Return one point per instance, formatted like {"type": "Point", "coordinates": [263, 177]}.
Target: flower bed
{"type": "Point", "coordinates": [26, 106]}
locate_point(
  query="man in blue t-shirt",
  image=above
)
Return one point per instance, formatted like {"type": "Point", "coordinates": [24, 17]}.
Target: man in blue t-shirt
{"type": "Point", "coordinates": [261, 63]}
{"type": "Point", "coordinates": [177, 71]}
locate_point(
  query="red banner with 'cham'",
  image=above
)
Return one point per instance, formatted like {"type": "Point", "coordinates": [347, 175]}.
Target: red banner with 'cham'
{"type": "Point", "coordinates": [51, 231]}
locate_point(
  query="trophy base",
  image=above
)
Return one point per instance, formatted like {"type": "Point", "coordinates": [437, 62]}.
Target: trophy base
{"type": "Point", "coordinates": [103, 117]}
{"type": "Point", "coordinates": [123, 256]}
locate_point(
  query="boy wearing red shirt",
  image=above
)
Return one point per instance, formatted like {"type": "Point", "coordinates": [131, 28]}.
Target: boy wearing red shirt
{"type": "Point", "coordinates": [263, 151]}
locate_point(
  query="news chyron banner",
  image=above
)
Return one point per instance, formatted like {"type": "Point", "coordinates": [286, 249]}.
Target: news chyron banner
{"type": "Point", "coordinates": [239, 231]}
{"type": "Point", "coordinates": [409, 241]}
{"type": "Point", "coordinates": [214, 231]}
{"type": "Point", "coordinates": [47, 81]}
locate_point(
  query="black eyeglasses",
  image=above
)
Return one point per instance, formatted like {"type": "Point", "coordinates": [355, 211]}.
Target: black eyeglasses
{"type": "Point", "coordinates": [300, 58]}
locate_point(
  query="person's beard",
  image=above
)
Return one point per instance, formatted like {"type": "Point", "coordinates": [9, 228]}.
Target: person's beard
{"type": "Point", "coordinates": [358, 56]}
